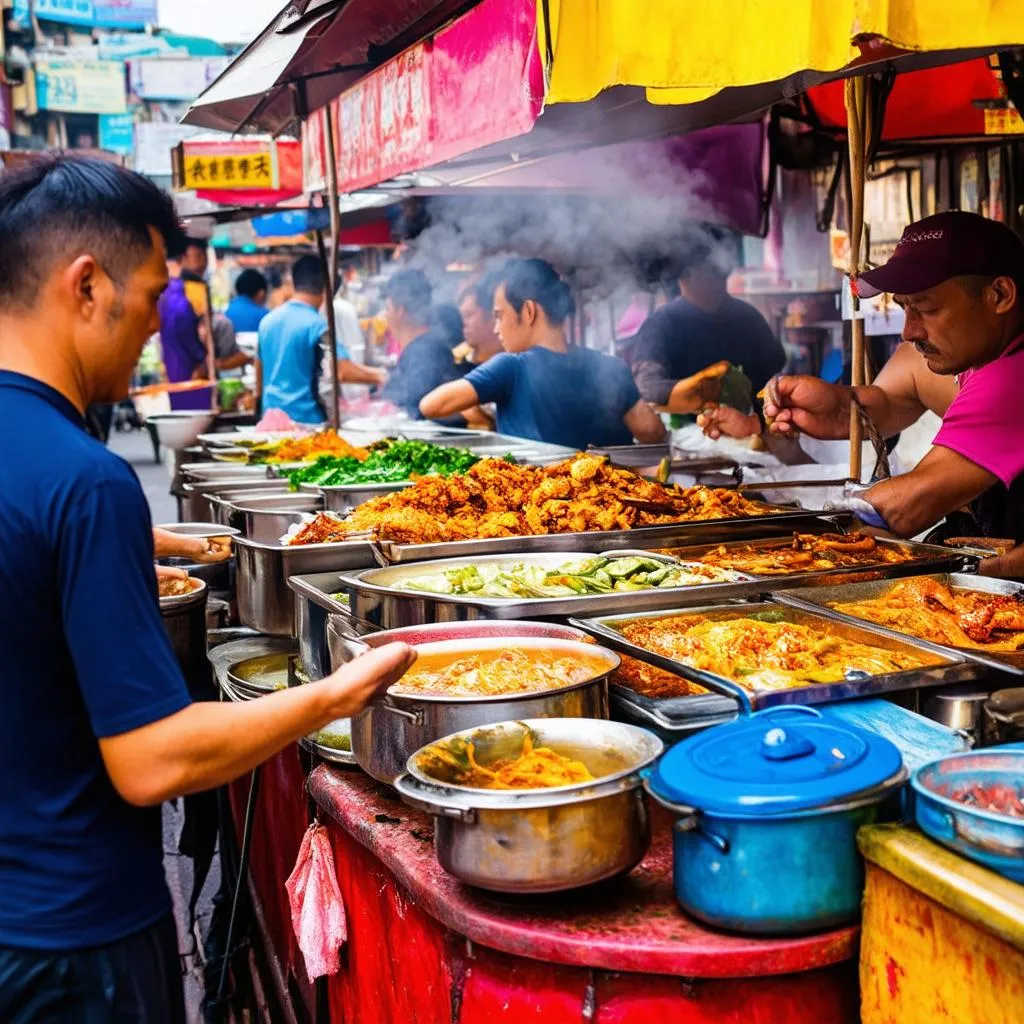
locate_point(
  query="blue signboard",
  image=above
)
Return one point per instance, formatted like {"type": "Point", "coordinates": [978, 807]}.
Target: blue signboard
{"type": "Point", "coordinates": [117, 133]}
{"type": "Point", "coordinates": [98, 13]}
{"type": "Point", "coordinates": [20, 14]}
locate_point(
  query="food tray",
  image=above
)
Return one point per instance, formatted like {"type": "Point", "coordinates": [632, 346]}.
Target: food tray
{"type": "Point", "coordinates": [192, 471]}
{"type": "Point", "coordinates": [313, 605]}
{"type": "Point", "coordinates": [345, 497]}
{"type": "Point", "coordinates": [343, 757]}
{"type": "Point", "coordinates": [709, 531]}
{"type": "Point", "coordinates": [265, 602]}
{"type": "Point", "coordinates": [928, 557]}
{"type": "Point", "coordinates": [953, 667]}
{"type": "Point", "coordinates": [374, 596]}
{"type": "Point", "coordinates": [818, 599]}
{"type": "Point", "coordinates": [643, 456]}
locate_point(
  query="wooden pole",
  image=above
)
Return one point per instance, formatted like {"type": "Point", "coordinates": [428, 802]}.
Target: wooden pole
{"type": "Point", "coordinates": [858, 134]}
{"type": "Point", "coordinates": [332, 199]}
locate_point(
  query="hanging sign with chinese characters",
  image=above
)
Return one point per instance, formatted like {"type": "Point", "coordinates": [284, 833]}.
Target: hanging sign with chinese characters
{"type": "Point", "coordinates": [238, 166]}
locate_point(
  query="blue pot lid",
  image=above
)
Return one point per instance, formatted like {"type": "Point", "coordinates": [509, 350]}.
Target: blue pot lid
{"type": "Point", "coordinates": [775, 761]}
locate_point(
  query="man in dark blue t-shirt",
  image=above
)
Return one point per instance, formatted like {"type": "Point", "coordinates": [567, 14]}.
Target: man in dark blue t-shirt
{"type": "Point", "coordinates": [542, 388]}
{"type": "Point", "coordinates": [96, 725]}
{"type": "Point", "coordinates": [705, 326]}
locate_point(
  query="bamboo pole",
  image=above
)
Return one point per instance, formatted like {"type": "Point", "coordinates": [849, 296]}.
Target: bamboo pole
{"type": "Point", "coordinates": [858, 134]}
{"type": "Point", "coordinates": [332, 280]}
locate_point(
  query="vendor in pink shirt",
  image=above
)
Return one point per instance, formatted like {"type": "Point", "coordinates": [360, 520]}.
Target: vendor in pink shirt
{"type": "Point", "coordinates": [960, 280]}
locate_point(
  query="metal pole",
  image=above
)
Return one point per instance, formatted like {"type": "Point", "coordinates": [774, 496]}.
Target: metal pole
{"type": "Point", "coordinates": [243, 870]}
{"type": "Point", "coordinates": [211, 353]}
{"type": "Point", "coordinates": [332, 199]}
{"type": "Point", "coordinates": [857, 134]}
{"type": "Point", "coordinates": [331, 330]}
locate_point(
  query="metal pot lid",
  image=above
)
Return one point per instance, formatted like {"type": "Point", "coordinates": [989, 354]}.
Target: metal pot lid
{"type": "Point", "coordinates": [775, 761]}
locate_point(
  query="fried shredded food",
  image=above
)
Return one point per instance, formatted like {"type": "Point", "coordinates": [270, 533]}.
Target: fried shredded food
{"type": "Point", "coordinates": [934, 611]}
{"type": "Point", "coordinates": [765, 655]}
{"type": "Point", "coordinates": [176, 586]}
{"type": "Point", "coordinates": [534, 768]}
{"type": "Point", "coordinates": [496, 672]}
{"type": "Point", "coordinates": [499, 499]}
{"type": "Point", "coordinates": [308, 449]}
{"type": "Point", "coordinates": [807, 552]}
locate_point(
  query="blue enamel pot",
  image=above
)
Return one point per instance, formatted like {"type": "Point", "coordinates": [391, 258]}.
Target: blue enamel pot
{"type": "Point", "coordinates": [765, 841]}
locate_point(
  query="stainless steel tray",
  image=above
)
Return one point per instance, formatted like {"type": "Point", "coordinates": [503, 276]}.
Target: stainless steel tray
{"type": "Point", "coordinates": [343, 757]}
{"type": "Point", "coordinates": [267, 518]}
{"type": "Point", "coordinates": [927, 557]}
{"type": "Point", "coordinates": [375, 596]}
{"type": "Point", "coordinates": [643, 456]}
{"type": "Point", "coordinates": [818, 599]}
{"type": "Point", "coordinates": [345, 497]}
{"type": "Point", "coordinates": [265, 602]}
{"type": "Point", "coordinates": [192, 471]}
{"type": "Point", "coordinates": [952, 668]}
{"type": "Point", "coordinates": [707, 531]}
{"type": "Point", "coordinates": [313, 605]}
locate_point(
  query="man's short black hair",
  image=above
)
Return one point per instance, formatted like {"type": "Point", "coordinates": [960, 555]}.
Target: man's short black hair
{"type": "Point", "coordinates": [308, 275]}
{"type": "Point", "coordinates": [250, 283]}
{"type": "Point", "coordinates": [57, 208]}
{"type": "Point", "coordinates": [410, 290]}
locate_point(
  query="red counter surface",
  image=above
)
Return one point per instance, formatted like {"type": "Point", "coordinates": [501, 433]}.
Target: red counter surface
{"type": "Point", "coordinates": [425, 949]}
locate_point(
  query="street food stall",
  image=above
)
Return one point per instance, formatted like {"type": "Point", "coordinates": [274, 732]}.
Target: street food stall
{"type": "Point", "coordinates": [647, 756]}
{"type": "Point", "coordinates": [344, 561]}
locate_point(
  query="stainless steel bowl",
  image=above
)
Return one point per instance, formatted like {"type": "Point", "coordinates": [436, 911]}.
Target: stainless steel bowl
{"type": "Point", "coordinates": [392, 727]}
{"type": "Point", "coordinates": [542, 840]}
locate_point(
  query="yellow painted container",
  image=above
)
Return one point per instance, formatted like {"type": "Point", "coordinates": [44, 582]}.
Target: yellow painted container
{"type": "Point", "coordinates": [943, 938]}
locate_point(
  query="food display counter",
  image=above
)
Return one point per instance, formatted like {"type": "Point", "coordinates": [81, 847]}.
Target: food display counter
{"type": "Point", "coordinates": [496, 567]}
{"type": "Point", "coordinates": [620, 953]}
{"type": "Point", "coordinates": [943, 937]}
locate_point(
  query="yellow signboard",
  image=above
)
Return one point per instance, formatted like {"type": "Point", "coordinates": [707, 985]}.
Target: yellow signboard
{"type": "Point", "coordinates": [255, 170]}
{"type": "Point", "coordinates": [1004, 122]}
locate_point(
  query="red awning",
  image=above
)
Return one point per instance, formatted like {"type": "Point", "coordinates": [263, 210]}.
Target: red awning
{"type": "Point", "coordinates": [938, 103]}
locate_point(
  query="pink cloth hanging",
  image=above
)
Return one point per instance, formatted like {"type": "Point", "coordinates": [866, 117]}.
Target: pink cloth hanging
{"type": "Point", "coordinates": [317, 909]}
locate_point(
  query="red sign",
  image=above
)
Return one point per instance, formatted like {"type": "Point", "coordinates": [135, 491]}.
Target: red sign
{"type": "Point", "coordinates": [478, 81]}
{"type": "Point", "coordinates": [314, 150]}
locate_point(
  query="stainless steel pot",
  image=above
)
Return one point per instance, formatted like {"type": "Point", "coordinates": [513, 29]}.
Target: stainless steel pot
{"type": "Point", "coordinates": [267, 517]}
{"type": "Point", "coordinates": [345, 497]}
{"type": "Point", "coordinates": [184, 621]}
{"type": "Point", "coordinates": [960, 708]}
{"type": "Point", "coordinates": [390, 729]}
{"type": "Point", "coordinates": [542, 840]}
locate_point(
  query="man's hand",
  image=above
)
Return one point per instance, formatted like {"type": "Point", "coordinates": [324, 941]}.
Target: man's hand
{"type": "Point", "coordinates": [167, 544]}
{"type": "Point", "coordinates": [809, 405]}
{"type": "Point", "coordinates": [723, 420]}
{"type": "Point", "coordinates": [353, 686]}
{"type": "Point", "coordinates": [170, 572]}
{"type": "Point", "coordinates": [209, 743]}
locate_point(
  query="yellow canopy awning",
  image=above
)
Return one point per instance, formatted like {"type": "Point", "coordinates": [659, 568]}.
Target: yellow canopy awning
{"type": "Point", "coordinates": [685, 51]}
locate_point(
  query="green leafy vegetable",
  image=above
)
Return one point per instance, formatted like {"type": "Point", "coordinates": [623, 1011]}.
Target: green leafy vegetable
{"type": "Point", "coordinates": [389, 462]}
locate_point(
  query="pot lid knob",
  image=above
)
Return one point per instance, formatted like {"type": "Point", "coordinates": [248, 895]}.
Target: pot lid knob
{"type": "Point", "coordinates": [779, 745]}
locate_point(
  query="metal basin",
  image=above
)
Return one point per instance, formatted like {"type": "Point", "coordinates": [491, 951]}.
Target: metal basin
{"type": "Point", "coordinates": [184, 621]}
{"type": "Point", "coordinates": [394, 726]}
{"type": "Point", "coordinates": [542, 840]}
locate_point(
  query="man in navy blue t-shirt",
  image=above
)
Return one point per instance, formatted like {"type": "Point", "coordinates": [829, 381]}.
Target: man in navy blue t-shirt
{"type": "Point", "coordinates": [96, 725]}
{"type": "Point", "coordinates": [543, 388]}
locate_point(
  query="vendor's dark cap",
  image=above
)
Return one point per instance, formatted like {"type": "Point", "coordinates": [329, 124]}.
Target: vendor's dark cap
{"type": "Point", "coordinates": [952, 244]}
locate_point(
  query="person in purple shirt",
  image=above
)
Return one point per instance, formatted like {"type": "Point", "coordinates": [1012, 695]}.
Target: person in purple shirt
{"type": "Point", "coordinates": [183, 350]}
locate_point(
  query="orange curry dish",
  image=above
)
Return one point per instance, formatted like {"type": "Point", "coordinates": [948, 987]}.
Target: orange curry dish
{"type": "Point", "coordinates": [500, 499]}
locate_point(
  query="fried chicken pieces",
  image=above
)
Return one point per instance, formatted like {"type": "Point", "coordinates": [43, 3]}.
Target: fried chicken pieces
{"type": "Point", "coordinates": [500, 499]}
{"type": "Point", "coordinates": [934, 611]}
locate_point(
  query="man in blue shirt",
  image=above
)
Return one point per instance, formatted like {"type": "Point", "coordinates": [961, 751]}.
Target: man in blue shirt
{"type": "Point", "coordinates": [96, 725]}
{"type": "Point", "coordinates": [292, 339]}
{"type": "Point", "coordinates": [543, 388]}
{"type": "Point", "coordinates": [249, 306]}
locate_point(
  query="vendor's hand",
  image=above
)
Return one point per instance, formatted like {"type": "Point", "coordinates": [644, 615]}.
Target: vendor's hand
{"type": "Point", "coordinates": [354, 685]}
{"type": "Point", "coordinates": [807, 404]}
{"type": "Point", "coordinates": [170, 571]}
{"type": "Point", "coordinates": [200, 549]}
{"type": "Point", "coordinates": [719, 420]}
